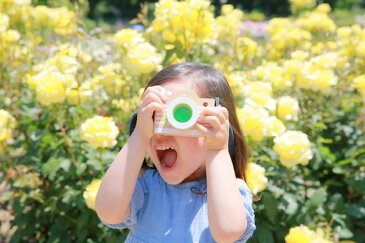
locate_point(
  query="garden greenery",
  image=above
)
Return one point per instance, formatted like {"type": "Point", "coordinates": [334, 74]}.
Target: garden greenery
{"type": "Point", "coordinates": [67, 95]}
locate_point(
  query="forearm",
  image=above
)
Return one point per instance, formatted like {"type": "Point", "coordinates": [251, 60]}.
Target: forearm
{"type": "Point", "coordinates": [116, 190]}
{"type": "Point", "coordinates": [226, 213]}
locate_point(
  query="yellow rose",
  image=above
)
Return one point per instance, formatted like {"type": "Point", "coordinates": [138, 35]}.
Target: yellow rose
{"type": "Point", "coordinates": [302, 4]}
{"type": "Point", "coordinates": [274, 127]}
{"type": "Point", "coordinates": [236, 80]}
{"type": "Point", "coordinates": [253, 121]}
{"type": "Point", "coordinates": [359, 84]}
{"type": "Point", "coordinates": [90, 193]}
{"type": "Point", "coordinates": [50, 87]}
{"type": "Point", "coordinates": [4, 22]}
{"type": "Point", "coordinates": [225, 24]}
{"type": "Point", "coordinates": [300, 234]}
{"type": "Point", "coordinates": [10, 36]}
{"type": "Point", "coordinates": [142, 59]}
{"type": "Point", "coordinates": [287, 108]}
{"type": "Point", "coordinates": [299, 55]}
{"type": "Point", "coordinates": [344, 32]}
{"type": "Point", "coordinates": [360, 49]}
{"type": "Point", "coordinates": [128, 37]}
{"type": "Point", "coordinates": [7, 124]}
{"type": "Point", "coordinates": [323, 8]}
{"type": "Point", "coordinates": [127, 105]}
{"type": "Point", "coordinates": [75, 96]}
{"type": "Point", "coordinates": [255, 177]}
{"type": "Point", "coordinates": [316, 22]}
{"type": "Point", "coordinates": [191, 21]}
{"type": "Point", "coordinates": [276, 25]}
{"type": "Point", "coordinates": [258, 93]}
{"type": "Point", "coordinates": [313, 78]}
{"type": "Point", "coordinates": [293, 148]}
{"type": "Point", "coordinates": [65, 64]}
{"type": "Point", "coordinates": [276, 75]}
{"type": "Point", "coordinates": [100, 132]}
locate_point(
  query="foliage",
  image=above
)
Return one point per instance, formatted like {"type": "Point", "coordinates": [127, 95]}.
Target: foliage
{"type": "Point", "coordinates": [67, 95]}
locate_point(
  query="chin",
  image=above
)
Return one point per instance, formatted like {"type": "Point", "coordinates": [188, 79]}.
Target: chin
{"type": "Point", "coordinates": [171, 180]}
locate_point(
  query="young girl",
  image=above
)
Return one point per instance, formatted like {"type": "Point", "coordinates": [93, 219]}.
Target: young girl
{"type": "Point", "coordinates": [196, 191]}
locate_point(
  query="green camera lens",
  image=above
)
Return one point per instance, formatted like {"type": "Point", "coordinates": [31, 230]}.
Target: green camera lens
{"type": "Point", "coordinates": [182, 113]}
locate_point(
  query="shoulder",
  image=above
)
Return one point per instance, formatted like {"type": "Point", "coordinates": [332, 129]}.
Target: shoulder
{"type": "Point", "coordinates": [240, 182]}
{"type": "Point", "coordinates": [242, 185]}
{"type": "Point", "coordinates": [244, 190]}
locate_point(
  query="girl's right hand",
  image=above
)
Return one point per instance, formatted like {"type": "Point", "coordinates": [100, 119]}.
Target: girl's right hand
{"type": "Point", "coordinates": [153, 100]}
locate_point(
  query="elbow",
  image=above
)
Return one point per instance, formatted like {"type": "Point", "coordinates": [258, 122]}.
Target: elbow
{"type": "Point", "coordinates": [230, 233]}
{"type": "Point", "coordinates": [107, 214]}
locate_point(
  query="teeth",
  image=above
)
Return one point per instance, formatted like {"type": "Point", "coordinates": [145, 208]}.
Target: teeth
{"type": "Point", "coordinates": [163, 147]}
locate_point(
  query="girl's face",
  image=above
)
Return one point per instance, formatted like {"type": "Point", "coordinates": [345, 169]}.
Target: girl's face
{"type": "Point", "coordinates": [185, 160]}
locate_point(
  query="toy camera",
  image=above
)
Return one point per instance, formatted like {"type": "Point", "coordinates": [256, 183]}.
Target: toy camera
{"type": "Point", "coordinates": [181, 113]}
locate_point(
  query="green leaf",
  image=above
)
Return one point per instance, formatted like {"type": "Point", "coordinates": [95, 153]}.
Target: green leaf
{"type": "Point", "coordinates": [81, 168]}
{"type": "Point", "coordinates": [327, 153]}
{"type": "Point", "coordinates": [356, 211]}
{"type": "Point", "coordinates": [343, 162]}
{"type": "Point", "coordinates": [264, 235]}
{"type": "Point", "coordinates": [317, 198]}
{"type": "Point", "coordinates": [65, 164]}
{"type": "Point", "coordinates": [290, 204]}
{"type": "Point", "coordinates": [335, 203]}
{"type": "Point", "coordinates": [83, 219]}
{"type": "Point", "coordinates": [95, 163]}
{"type": "Point", "coordinates": [270, 206]}
{"type": "Point", "coordinates": [345, 233]}
{"type": "Point", "coordinates": [357, 182]}
{"type": "Point", "coordinates": [6, 196]}
{"type": "Point", "coordinates": [51, 167]}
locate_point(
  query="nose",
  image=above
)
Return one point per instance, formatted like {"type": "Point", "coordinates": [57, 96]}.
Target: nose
{"type": "Point", "coordinates": [161, 136]}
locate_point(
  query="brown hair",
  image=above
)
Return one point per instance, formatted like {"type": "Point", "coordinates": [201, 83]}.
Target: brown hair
{"type": "Point", "coordinates": [212, 83]}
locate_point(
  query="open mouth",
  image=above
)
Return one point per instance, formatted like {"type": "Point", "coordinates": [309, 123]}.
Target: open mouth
{"type": "Point", "coordinates": [167, 156]}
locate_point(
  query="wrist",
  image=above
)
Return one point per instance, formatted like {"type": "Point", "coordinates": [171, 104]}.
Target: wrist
{"type": "Point", "coordinates": [212, 154]}
{"type": "Point", "coordinates": [139, 139]}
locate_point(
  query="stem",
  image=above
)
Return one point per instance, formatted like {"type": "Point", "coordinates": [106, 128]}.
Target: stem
{"type": "Point", "coordinates": [64, 134]}
{"type": "Point", "coordinates": [99, 157]}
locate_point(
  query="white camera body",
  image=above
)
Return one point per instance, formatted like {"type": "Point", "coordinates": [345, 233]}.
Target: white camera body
{"type": "Point", "coordinates": [181, 112]}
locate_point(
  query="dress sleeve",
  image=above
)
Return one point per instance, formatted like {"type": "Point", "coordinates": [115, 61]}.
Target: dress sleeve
{"type": "Point", "coordinates": [135, 204]}
{"type": "Point", "coordinates": [247, 201]}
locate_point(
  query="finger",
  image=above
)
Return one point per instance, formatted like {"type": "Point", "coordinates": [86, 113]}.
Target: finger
{"type": "Point", "coordinates": [158, 90]}
{"type": "Point", "coordinates": [151, 108]}
{"type": "Point", "coordinates": [213, 121]}
{"type": "Point", "coordinates": [224, 110]}
{"type": "Point", "coordinates": [163, 90]}
{"type": "Point", "coordinates": [152, 97]}
{"type": "Point", "coordinates": [206, 130]}
{"type": "Point", "coordinates": [214, 111]}
{"type": "Point", "coordinates": [202, 129]}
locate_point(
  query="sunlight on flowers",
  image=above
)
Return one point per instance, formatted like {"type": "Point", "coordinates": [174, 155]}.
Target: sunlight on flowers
{"type": "Point", "coordinates": [255, 177]}
{"type": "Point", "coordinates": [90, 193]}
{"type": "Point", "coordinates": [293, 147]}
{"type": "Point", "coordinates": [287, 108]}
{"type": "Point", "coordinates": [100, 132]}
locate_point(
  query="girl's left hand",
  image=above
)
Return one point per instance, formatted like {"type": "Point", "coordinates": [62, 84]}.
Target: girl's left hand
{"type": "Point", "coordinates": [214, 125]}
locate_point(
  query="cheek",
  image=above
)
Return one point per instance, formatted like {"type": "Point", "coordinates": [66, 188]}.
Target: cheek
{"type": "Point", "coordinates": [194, 146]}
{"type": "Point", "coordinates": [150, 153]}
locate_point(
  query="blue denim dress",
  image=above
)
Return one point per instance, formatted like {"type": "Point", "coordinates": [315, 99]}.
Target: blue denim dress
{"type": "Point", "coordinates": [163, 213]}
